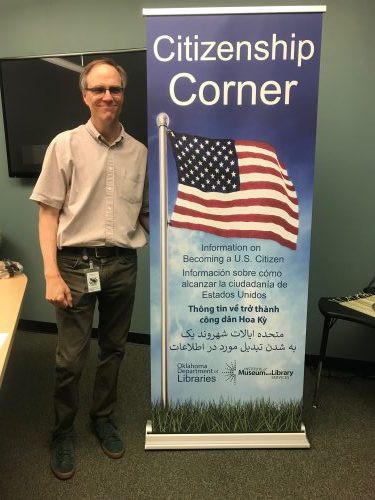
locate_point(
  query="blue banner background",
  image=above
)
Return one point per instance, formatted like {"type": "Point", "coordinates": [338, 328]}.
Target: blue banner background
{"type": "Point", "coordinates": [290, 129]}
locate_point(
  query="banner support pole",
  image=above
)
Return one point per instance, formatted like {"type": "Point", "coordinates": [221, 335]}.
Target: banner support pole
{"type": "Point", "coordinates": [162, 121]}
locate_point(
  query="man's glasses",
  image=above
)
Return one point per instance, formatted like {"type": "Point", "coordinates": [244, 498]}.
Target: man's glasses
{"type": "Point", "coordinates": [115, 91]}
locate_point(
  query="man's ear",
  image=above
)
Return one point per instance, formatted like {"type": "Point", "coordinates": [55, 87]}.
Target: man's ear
{"type": "Point", "coordinates": [84, 96]}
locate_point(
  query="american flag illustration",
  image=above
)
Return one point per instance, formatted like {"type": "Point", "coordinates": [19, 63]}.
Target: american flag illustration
{"type": "Point", "coordinates": [233, 188]}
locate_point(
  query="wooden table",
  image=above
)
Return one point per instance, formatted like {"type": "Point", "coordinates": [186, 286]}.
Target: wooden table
{"type": "Point", "coordinates": [12, 291]}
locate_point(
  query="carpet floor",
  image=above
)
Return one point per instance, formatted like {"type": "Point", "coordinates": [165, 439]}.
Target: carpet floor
{"type": "Point", "coordinates": [339, 464]}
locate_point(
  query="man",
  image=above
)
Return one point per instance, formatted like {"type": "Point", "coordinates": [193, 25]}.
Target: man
{"type": "Point", "coordinates": [93, 206]}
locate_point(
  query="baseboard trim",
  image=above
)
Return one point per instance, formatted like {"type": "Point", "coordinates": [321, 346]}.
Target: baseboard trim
{"type": "Point", "coordinates": [32, 326]}
{"type": "Point", "coordinates": [355, 366]}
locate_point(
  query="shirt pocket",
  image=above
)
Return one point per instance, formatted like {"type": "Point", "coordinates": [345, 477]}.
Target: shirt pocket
{"type": "Point", "coordinates": [131, 189]}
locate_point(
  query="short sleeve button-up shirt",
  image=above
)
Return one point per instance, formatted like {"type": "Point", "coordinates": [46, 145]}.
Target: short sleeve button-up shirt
{"type": "Point", "coordinates": [99, 188]}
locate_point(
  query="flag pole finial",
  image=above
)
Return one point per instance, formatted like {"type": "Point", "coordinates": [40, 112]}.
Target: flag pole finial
{"type": "Point", "coordinates": [162, 120]}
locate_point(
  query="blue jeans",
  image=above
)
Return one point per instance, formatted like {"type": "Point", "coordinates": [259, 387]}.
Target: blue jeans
{"type": "Point", "coordinates": [115, 301]}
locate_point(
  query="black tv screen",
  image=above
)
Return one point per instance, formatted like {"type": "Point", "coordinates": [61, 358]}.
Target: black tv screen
{"type": "Point", "coordinates": [41, 97]}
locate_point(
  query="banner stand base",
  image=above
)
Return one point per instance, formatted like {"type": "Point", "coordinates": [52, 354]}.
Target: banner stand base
{"type": "Point", "coordinates": [227, 440]}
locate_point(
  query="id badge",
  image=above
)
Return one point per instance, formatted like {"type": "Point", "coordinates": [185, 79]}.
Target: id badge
{"type": "Point", "coordinates": [93, 279]}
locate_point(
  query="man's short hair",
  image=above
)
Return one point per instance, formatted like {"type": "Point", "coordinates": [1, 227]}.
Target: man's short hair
{"type": "Point", "coordinates": [86, 70]}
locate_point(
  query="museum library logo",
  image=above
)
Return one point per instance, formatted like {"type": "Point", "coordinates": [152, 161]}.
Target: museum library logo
{"type": "Point", "coordinates": [231, 373]}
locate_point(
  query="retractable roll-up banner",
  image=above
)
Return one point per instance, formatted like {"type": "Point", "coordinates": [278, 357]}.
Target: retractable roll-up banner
{"type": "Point", "coordinates": [232, 106]}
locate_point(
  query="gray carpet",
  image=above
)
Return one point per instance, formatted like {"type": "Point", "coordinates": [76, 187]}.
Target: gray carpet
{"type": "Point", "coordinates": [339, 465]}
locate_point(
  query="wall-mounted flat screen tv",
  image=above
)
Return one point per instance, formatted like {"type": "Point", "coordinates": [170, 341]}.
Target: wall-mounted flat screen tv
{"type": "Point", "coordinates": [40, 97]}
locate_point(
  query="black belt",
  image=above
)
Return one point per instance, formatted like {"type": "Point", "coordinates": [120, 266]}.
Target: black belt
{"type": "Point", "coordinates": [98, 252]}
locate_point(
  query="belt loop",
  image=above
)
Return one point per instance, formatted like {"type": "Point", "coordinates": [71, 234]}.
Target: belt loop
{"type": "Point", "coordinates": [85, 255]}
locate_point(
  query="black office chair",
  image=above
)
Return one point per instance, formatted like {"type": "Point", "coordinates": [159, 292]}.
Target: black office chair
{"type": "Point", "coordinates": [333, 308]}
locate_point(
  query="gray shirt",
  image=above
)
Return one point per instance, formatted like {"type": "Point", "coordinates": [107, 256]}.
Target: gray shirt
{"type": "Point", "coordinates": [99, 188]}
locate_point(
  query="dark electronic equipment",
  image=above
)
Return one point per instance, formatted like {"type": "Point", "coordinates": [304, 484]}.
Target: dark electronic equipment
{"type": "Point", "coordinates": [40, 97]}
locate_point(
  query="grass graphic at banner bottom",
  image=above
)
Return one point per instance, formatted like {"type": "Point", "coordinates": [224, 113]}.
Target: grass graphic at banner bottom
{"type": "Point", "coordinates": [260, 415]}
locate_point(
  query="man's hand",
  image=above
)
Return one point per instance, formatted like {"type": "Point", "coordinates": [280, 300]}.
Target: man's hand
{"type": "Point", "coordinates": [58, 292]}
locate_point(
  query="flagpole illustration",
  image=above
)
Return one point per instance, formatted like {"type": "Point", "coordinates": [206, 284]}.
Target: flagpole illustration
{"type": "Point", "coordinates": [162, 121]}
